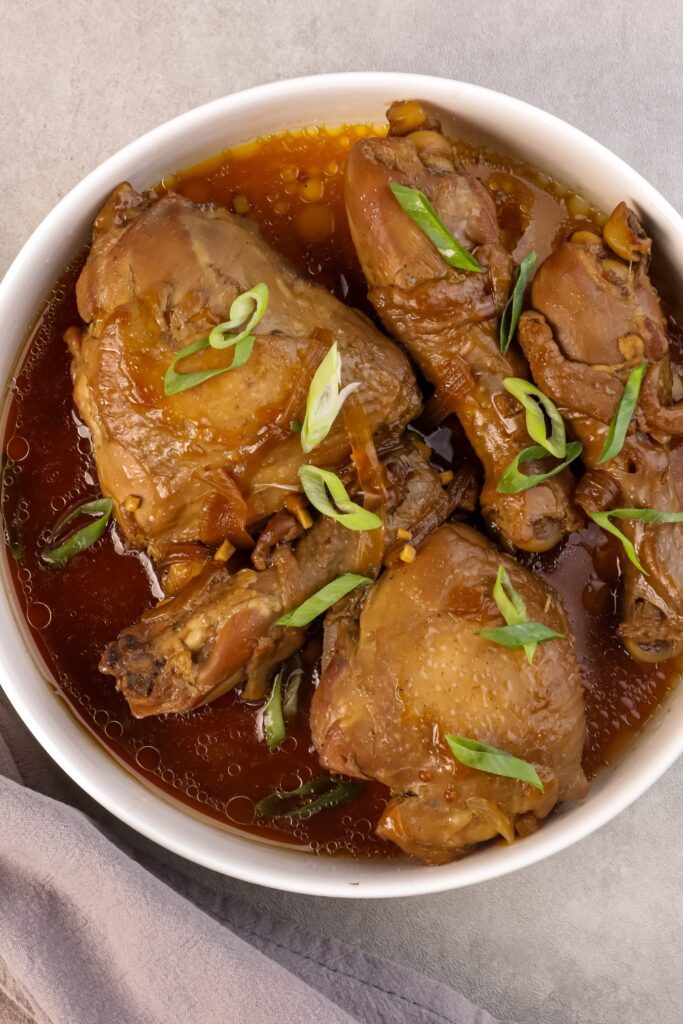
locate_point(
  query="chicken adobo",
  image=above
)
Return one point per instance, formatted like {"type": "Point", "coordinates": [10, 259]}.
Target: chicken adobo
{"type": "Point", "coordinates": [599, 324]}
{"type": "Point", "coordinates": [448, 317]}
{"type": "Point", "coordinates": [410, 667]}
{"type": "Point", "coordinates": [222, 627]}
{"type": "Point", "coordinates": [349, 512]}
{"type": "Point", "coordinates": [203, 463]}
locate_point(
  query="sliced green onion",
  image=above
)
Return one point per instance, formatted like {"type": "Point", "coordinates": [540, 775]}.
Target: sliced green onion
{"type": "Point", "coordinates": [418, 207]}
{"type": "Point", "coordinates": [645, 515]}
{"type": "Point", "coordinates": [514, 482]}
{"type": "Point", "coordinates": [84, 538]}
{"type": "Point", "coordinates": [325, 400]}
{"type": "Point", "coordinates": [325, 791]}
{"type": "Point", "coordinates": [616, 435]}
{"type": "Point", "coordinates": [602, 519]}
{"type": "Point", "coordinates": [248, 306]}
{"type": "Point", "coordinates": [511, 605]}
{"type": "Point", "coordinates": [11, 527]}
{"type": "Point", "coordinates": [174, 382]}
{"type": "Point", "coordinates": [282, 702]}
{"type": "Point", "coordinates": [520, 635]}
{"type": "Point", "coordinates": [295, 426]}
{"type": "Point", "coordinates": [490, 759]}
{"type": "Point", "coordinates": [317, 482]}
{"type": "Point", "coordinates": [533, 400]}
{"type": "Point", "coordinates": [294, 674]}
{"type": "Point", "coordinates": [273, 720]}
{"type": "Point", "coordinates": [513, 309]}
{"type": "Point", "coordinates": [323, 599]}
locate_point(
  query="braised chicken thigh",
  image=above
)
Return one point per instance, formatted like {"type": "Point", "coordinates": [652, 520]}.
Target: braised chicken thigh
{"type": "Point", "coordinates": [598, 316]}
{"type": "Point", "coordinates": [222, 627]}
{"type": "Point", "coordinates": [406, 668]}
{"type": "Point", "coordinates": [448, 318]}
{"type": "Point", "coordinates": [202, 464]}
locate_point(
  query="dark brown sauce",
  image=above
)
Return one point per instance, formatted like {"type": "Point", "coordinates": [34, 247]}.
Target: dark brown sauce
{"type": "Point", "coordinates": [213, 759]}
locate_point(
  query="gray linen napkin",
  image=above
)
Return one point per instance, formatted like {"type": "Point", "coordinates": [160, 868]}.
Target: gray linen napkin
{"type": "Point", "coordinates": [90, 936]}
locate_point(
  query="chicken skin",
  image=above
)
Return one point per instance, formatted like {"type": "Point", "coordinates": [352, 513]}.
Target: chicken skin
{"type": "Point", "coordinates": [597, 317]}
{"type": "Point", "coordinates": [221, 629]}
{"type": "Point", "coordinates": [406, 667]}
{"type": "Point", "coordinates": [448, 318]}
{"type": "Point", "coordinates": [203, 464]}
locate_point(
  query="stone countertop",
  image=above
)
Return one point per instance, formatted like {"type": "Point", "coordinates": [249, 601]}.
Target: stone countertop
{"type": "Point", "coordinates": [591, 936]}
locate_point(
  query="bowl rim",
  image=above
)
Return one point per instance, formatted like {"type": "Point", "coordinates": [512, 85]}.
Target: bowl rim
{"type": "Point", "coordinates": [416, 879]}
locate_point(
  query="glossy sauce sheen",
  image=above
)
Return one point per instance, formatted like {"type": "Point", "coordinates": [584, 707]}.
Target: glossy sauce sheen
{"type": "Point", "coordinates": [214, 758]}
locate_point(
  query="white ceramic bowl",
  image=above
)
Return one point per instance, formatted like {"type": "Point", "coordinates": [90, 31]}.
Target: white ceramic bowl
{"type": "Point", "coordinates": [512, 126]}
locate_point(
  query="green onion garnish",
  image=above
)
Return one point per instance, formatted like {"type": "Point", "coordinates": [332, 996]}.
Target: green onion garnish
{"type": "Point", "coordinates": [318, 482]}
{"type": "Point", "coordinates": [616, 435]}
{"type": "Point", "coordinates": [324, 401]}
{"type": "Point", "coordinates": [535, 404]}
{"type": "Point", "coordinates": [521, 635]}
{"type": "Point", "coordinates": [84, 538]}
{"type": "Point", "coordinates": [174, 382]}
{"type": "Point", "coordinates": [418, 207]}
{"type": "Point", "coordinates": [511, 605]}
{"type": "Point", "coordinates": [490, 759]}
{"type": "Point", "coordinates": [323, 599]}
{"type": "Point", "coordinates": [325, 791]}
{"type": "Point", "coordinates": [294, 673]}
{"type": "Point", "coordinates": [514, 482]}
{"type": "Point", "coordinates": [11, 527]}
{"type": "Point", "coordinates": [645, 515]}
{"type": "Point", "coordinates": [282, 702]}
{"type": "Point", "coordinates": [249, 306]}
{"type": "Point", "coordinates": [273, 720]}
{"type": "Point", "coordinates": [220, 338]}
{"type": "Point", "coordinates": [513, 309]}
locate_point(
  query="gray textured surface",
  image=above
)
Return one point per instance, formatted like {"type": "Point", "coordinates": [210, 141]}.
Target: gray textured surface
{"type": "Point", "coordinates": [592, 936]}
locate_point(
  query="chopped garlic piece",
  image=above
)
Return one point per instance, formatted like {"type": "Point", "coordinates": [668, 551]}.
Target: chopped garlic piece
{"type": "Point", "coordinates": [305, 518]}
{"type": "Point", "coordinates": [194, 639]}
{"type": "Point", "coordinates": [408, 553]}
{"type": "Point", "coordinates": [225, 552]}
